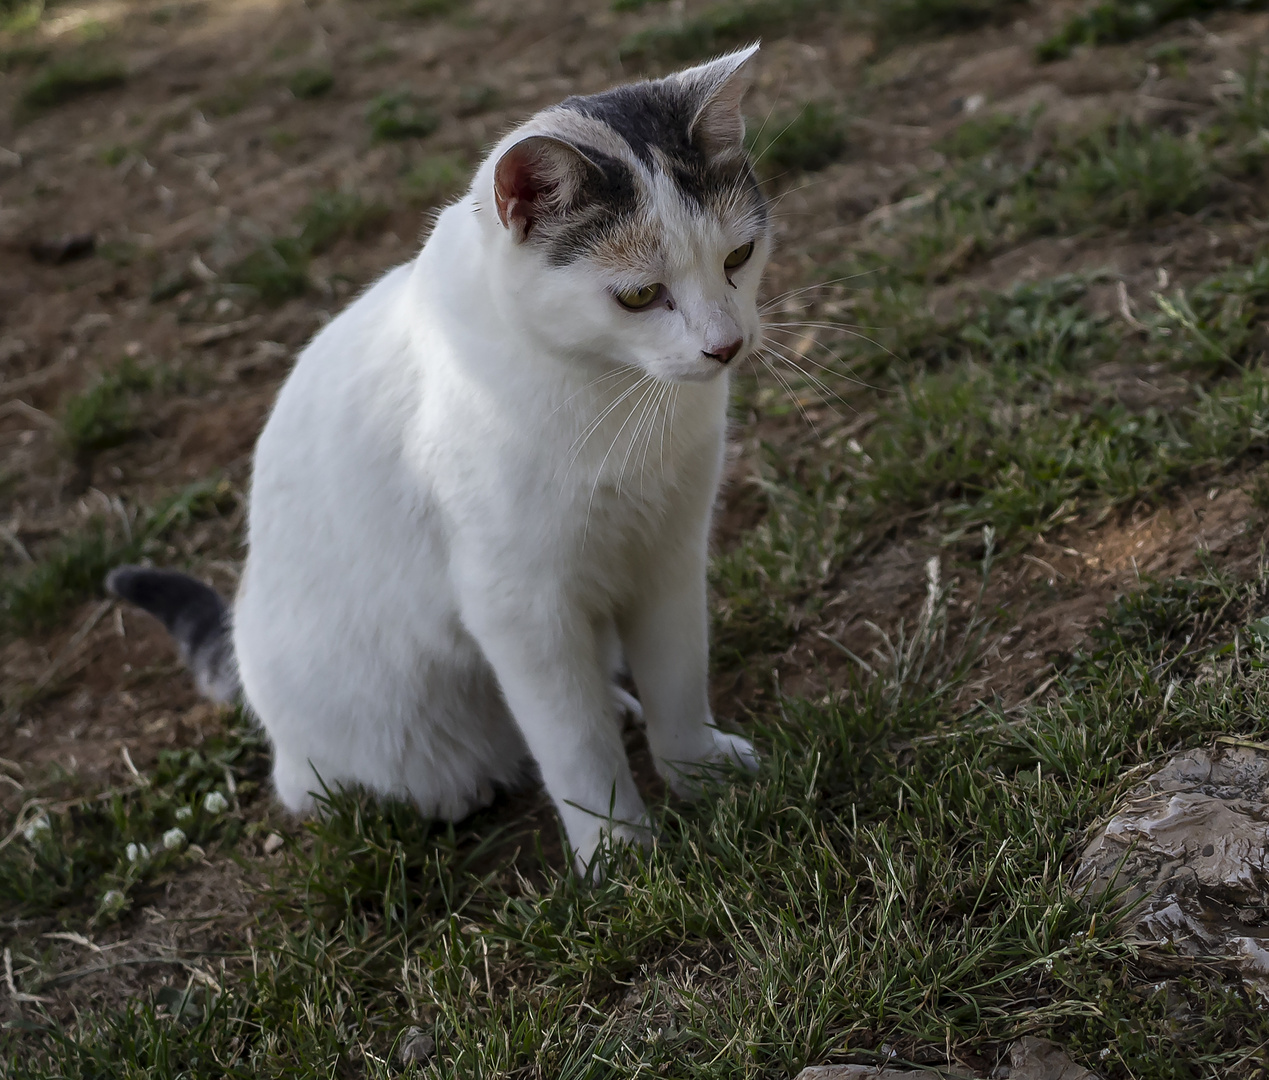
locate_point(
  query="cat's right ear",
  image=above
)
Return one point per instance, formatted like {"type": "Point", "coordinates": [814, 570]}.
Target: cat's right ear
{"type": "Point", "coordinates": [537, 179]}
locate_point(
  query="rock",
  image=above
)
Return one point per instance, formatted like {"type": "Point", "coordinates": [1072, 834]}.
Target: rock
{"type": "Point", "coordinates": [416, 1046]}
{"type": "Point", "coordinates": [1039, 1059]}
{"type": "Point", "coordinates": [272, 843]}
{"type": "Point", "coordinates": [1029, 1059]}
{"type": "Point", "coordinates": [1187, 846]}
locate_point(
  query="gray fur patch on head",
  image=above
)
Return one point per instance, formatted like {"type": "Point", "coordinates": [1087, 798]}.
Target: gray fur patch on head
{"type": "Point", "coordinates": [686, 127]}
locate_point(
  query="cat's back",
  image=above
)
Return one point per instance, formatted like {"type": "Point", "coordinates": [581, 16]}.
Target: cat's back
{"type": "Point", "coordinates": [347, 375]}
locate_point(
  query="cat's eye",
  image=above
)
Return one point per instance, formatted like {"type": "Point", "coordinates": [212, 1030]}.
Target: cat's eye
{"type": "Point", "coordinates": [738, 258]}
{"type": "Point", "coordinates": [638, 299]}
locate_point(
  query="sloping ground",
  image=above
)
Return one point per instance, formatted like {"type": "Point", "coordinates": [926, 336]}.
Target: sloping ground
{"type": "Point", "coordinates": [996, 501]}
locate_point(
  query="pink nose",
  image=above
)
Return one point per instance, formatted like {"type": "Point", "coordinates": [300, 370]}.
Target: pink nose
{"type": "Point", "coordinates": [724, 354]}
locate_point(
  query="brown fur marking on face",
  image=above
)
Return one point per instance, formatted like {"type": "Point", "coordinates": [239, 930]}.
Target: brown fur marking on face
{"type": "Point", "coordinates": [631, 244]}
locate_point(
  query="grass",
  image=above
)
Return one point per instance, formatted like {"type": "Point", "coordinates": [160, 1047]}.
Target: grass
{"type": "Point", "coordinates": [277, 268]}
{"type": "Point", "coordinates": [69, 78]}
{"type": "Point", "coordinates": [1000, 188]}
{"type": "Point", "coordinates": [907, 17]}
{"type": "Point", "coordinates": [110, 411]}
{"type": "Point", "coordinates": [734, 22]}
{"type": "Point", "coordinates": [886, 833]}
{"type": "Point", "coordinates": [332, 215]}
{"type": "Point", "coordinates": [311, 82]}
{"type": "Point", "coordinates": [1116, 21]}
{"type": "Point", "coordinates": [810, 140]}
{"type": "Point", "coordinates": [436, 178]}
{"type": "Point", "coordinates": [37, 597]}
{"type": "Point", "coordinates": [95, 858]}
{"type": "Point", "coordinates": [401, 114]}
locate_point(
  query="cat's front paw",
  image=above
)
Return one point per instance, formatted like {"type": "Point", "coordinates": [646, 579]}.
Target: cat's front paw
{"type": "Point", "coordinates": [593, 852]}
{"type": "Point", "coordinates": [684, 777]}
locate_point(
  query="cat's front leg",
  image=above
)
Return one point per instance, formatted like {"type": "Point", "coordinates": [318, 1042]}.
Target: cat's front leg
{"type": "Point", "coordinates": [550, 666]}
{"type": "Point", "coordinates": [666, 637]}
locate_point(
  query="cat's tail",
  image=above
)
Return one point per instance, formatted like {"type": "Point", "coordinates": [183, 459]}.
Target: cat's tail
{"type": "Point", "coordinates": [195, 616]}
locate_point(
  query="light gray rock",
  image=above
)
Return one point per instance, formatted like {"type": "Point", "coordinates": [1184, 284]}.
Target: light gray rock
{"type": "Point", "coordinates": [1186, 847]}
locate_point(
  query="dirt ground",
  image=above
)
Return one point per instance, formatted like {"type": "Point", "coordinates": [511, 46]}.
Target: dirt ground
{"type": "Point", "coordinates": [204, 150]}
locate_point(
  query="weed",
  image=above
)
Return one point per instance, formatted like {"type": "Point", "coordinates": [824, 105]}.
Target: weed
{"type": "Point", "coordinates": [732, 23]}
{"type": "Point", "coordinates": [277, 269]}
{"type": "Point", "coordinates": [20, 16]}
{"type": "Point", "coordinates": [902, 833]}
{"type": "Point", "coordinates": [1131, 176]}
{"type": "Point", "coordinates": [436, 178]}
{"type": "Point", "coordinates": [70, 78]}
{"type": "Point", "coordinates": [234, 98]}
{"type": "Point", "coordinates": [38, 597]}
{"type": "Point", "coordinates": [311, 82]}
{"type": "Point", "coordinates": [1116, 21]}
{"type": "Point", "coordinates": [1251, 105]}
{"type": "Point", "coordinates": [114, 155]}
{"type": "Point", "coordinates": [107, 413]}
{"type": "Point", "coordinates": [400, 114]}
{"type": "Point", "coordinates": [905, 17]}
{"type": "Point", "coordinates": [25, 55]}
{"type": "Point", "coordinates": [1220, 323]}
{"type": "Point", "coordinates": [427, 9]}
{"type": "Point", "coordinates": [474, 100]}
{"type": "Point", "coordinates": [94, 855]}
{"type": "Point", "coordinates": [981, 135]}
{"type": "Point", "coordinates": [812, 139]}
{"type": "Point", "coordinates": [1172, 57]}
{"type": "Point", "coordinates": [332, 215]}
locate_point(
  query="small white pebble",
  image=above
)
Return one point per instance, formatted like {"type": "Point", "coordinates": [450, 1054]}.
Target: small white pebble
{"type": "Point", "coordinates": [184, 814]}
{"type": "Point", "coordinates": [272, 842]}
{"type": "Point", "coordinates": [174, 839]}
{"type": "Point", "coordinates": [36, 829]}
{"type": "Point", "coordinates": [215, 803]}
{"type": "Point", "coordinates": [138, 852]}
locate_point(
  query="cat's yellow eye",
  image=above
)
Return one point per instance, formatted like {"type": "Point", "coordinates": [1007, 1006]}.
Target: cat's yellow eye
{"type": "Point", "coordinates": [739, 257]}
{"type": "Point", "coordinates": [637, 299]}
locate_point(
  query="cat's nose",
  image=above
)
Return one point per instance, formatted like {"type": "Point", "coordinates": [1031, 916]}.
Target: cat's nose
{"type": "Point", "coordinates": [724, 353]}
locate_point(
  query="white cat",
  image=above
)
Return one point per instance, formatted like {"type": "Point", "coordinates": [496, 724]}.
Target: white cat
{"type": "Point", "coordinates": [491, 478]}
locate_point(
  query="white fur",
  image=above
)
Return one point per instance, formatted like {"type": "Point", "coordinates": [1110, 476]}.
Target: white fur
{"type": "Point", "coordinates": [482, 484]}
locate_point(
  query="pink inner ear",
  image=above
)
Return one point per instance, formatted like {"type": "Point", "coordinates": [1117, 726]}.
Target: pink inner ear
{"type": "Point", "coordinates": [515, 188]}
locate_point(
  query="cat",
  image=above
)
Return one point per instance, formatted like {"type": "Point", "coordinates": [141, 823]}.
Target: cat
{"type": "Point", "coordinates": [486, 487]}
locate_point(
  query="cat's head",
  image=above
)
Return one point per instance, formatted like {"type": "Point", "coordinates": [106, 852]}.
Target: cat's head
{"type": "Point", "coordinates": [631, 225]}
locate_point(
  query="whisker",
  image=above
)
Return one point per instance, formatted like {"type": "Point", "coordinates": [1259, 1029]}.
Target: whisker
{"type": "Point", "coordinates": [789, 294]}
{"type": "Point", "coordinates": [850, 331]}
{"type": "Point", "coordinates": [822, 390]}
{"type": "Point", "coordinates": [846, 375]}
{"type": "Point", "coordinates": [817, 383]}
{"type": "Point", "coordinates": [584, 437]}
{"type": "Point", "coordinates": [642, 406]}
{"type": "Point", "coordinates": [652, 423]}
{"type": "Point", "coordinates": [792, 395]}
{"type": "Point", "coordinates": [595, 382]}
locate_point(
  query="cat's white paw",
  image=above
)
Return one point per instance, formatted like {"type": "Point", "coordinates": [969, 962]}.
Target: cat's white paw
{"type": "Point", "coordinates": [684, 777]}
{"type": "Point", "coordinates": [461, 807]}
{"type": "Point", "coordinates": [593, 852]}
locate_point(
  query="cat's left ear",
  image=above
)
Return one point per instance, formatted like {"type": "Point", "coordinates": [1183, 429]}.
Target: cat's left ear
{"type": "Point", "coordinates": [719, 86]}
